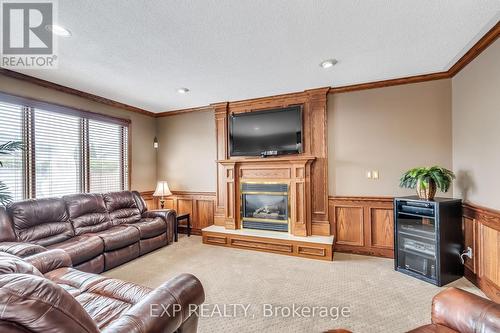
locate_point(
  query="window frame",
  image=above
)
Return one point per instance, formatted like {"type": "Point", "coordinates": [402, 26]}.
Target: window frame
{"type": "Point", "coordinates": [30, 105]}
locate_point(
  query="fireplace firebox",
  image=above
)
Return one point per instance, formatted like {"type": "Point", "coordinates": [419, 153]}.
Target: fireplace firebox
{"type": "Point", "coordinates": [265, 206]}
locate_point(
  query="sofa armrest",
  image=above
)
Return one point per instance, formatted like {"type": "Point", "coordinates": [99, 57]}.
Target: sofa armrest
{"type": "Point", "coordinates": [21, 249]}
{"type": "Point", "coordinates": [168, 215]}
{"type": "Point", "coordinates": [50, 260]}
{"type": "Point", "coordinates": [165, 309]}
{"type": "Point", "coordinates": [465, 312]}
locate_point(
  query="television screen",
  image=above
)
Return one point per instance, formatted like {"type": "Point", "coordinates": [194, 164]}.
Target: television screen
{"type": "Point", "coordinates": [270, 132]}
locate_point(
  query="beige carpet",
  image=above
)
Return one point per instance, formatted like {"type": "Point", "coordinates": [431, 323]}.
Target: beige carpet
{"type": "Point", "coordinates": [379, 299]}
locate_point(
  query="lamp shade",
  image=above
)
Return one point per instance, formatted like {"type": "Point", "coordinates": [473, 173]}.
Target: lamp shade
{"type": "Point", "coordinates": [162, 189]}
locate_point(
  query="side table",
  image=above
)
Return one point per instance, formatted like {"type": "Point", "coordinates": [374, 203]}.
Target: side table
{"type": "Point", "coordinates": [179, 218]}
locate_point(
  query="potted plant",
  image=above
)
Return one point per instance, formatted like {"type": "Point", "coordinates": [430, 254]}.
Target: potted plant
{"type": "Point", "coordinates": [426, 180]}
{"type": "Point", "coordinates": [7, 149]}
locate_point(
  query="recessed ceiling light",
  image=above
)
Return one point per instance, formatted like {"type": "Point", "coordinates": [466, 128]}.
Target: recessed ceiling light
{"type": "Point", "coordinates": [328, 63]}
{"type": "Point", "coordinates": [183, 90]}
{"type": "Point", "coordinates": [58, 30]}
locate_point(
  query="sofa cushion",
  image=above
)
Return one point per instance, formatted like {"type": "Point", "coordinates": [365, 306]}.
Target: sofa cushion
{"type": "Point", "coordinates": [87, 212]}
{"type": "Point", "coordinates": [41, 221]}
{"type": "Point", "coordinates": [38, 305]}
{"type": "Point", "coordinates": [11, 264]}
{"type": "Point", "coordinates": [122, 207]}
{"type": "Point", "coordinates": [150, 227]}
{"type": "Point", "coordinates": [81, 248]}
{"type": "Point", "coordinates": [108, 299]}
{"type": "Point", "coordinates": [118, 237]}
{"type": "Point", "coordinates": [21, 249]}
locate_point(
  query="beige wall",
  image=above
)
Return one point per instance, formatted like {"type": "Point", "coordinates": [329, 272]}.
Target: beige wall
{"type": "Point", "coordinates": [390, 130]}
{"type": "Point", "coordinates": [187, 152]}
{"type": "Point", "coordinates": [476, 129]}
{"type": "Point", "coordinates": [142, 127]}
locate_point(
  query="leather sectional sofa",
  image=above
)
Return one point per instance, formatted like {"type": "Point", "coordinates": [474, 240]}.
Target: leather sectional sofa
{"type": "Point", "coordinates": [97, 231]}
{"type": "Point", "coordinates": [42, 293]}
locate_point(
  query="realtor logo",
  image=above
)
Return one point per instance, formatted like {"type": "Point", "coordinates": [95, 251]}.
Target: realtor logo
{"type": "Point", "coordinates": [27, 41]}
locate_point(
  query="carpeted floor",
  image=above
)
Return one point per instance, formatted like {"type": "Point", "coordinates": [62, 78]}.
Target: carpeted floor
{"type": "Point", "coordinates": [378, 298]}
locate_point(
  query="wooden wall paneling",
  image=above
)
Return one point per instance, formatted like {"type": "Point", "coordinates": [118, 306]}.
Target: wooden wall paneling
{"type": "Point", "coordinates": [363, 225]}
{"type": "Point", "coordinates": [482, 230]}
{"type": "Point", "coordinates": [470, 236]}
{"type": "Point", "coordinates": [204, 213]}
{"type": "Point", "coordinates": [185, 206]}
{"type": "Point", "coordinates": [349, 226]}
{"type": "Point", "coordinates": [490, 252]}
{"type": "Point", "coordinates": [381, 228]}
{"type": "Point", "coordinates": [200, 206]}
{"type": "Point", "coordinates": [170, 203]}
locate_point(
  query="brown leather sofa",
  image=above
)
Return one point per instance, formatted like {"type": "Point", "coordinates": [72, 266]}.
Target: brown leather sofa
{"type": "Point", "coordinates": [42, 293]}
{"type": "Point", "coordinates": [98, 231]}
{"type": "Point", "coordinates": [456, 310]}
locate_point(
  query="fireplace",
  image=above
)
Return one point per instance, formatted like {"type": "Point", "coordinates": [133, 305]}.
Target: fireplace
{"type": "Point", "coordinates": [265, 206]}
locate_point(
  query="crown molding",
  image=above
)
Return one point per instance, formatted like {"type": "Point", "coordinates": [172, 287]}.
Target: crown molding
{"type": "Point", "coordinates": [488, 39]}
{"type": "Point", "coordinates": [182, 111]}
{"type": "Point", "coordinates": [75, 92]}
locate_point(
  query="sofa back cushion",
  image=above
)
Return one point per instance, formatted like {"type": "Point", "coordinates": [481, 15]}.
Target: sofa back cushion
{"type": "Point", "coordinates": [122, 207]}
{"type": "Point", "coordinates": [41, 221]}
{"type": "Point", "coordinates": [141, 204]}
{"type": "Point", "coordinates": [87, 212]}
{"type": "Point", "coordinates": [7, 233]}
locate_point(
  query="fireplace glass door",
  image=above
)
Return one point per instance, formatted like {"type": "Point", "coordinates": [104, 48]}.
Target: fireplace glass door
{"type": "Point", "coordinates": [264, 206]}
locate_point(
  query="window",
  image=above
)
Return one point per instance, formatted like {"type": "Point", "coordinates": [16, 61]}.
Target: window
{"type": "Point", "coordinates": [108, 161]}
{"type": "Point", "coordinates": [11, 129]}
{"type": "Point", "coordinates": [58, 155]}
{"type": "Point", "coordinates": [66, 151]}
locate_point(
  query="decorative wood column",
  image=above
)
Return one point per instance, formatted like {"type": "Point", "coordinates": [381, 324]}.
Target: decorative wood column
{"type": "Point", "coordinates": [222, 154]}
{"type": "Point", "coordinates": [300, 196]}
{"type": "Point", "coordinates": [230, 184]}
{"type": "Point", "coordinates": [318, 147]}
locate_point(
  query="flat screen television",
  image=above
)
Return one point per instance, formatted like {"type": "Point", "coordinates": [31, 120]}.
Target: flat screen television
{"type": "Point", "coordinates": [265, 133]}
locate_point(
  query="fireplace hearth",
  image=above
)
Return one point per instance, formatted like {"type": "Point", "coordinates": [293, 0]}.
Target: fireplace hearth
{"type": "Point", "coordinates": [265, 206]}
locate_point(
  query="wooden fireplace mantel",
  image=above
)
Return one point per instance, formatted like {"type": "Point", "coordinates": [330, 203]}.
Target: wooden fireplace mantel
{"type": "Point", "coordinates": [293, 171]}
{"type": "Point", "coordinates": [306, 173]}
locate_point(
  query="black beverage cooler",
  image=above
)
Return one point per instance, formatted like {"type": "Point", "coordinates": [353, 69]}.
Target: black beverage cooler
{"type": "Point", "coordinates": [428, 239]}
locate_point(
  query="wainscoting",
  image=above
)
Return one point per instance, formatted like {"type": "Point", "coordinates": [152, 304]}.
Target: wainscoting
{"type": "Point", "coordinates": [363, 225]}
{"type": "Point", "coordinates": [482, 233]}
{"type": "Point", "coordinates": [200, 206]}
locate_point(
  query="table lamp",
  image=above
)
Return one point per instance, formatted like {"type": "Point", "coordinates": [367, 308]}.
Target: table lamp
{"type": "Point", "coordinates": [161, 191]}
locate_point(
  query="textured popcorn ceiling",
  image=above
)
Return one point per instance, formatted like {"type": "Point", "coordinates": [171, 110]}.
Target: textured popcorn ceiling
{"type": "Point", "coordinates": [140, 52]}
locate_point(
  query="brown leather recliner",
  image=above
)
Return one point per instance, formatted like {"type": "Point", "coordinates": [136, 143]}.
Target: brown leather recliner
{"type": "Point", "coordinates": [456, 310]}
{"type": "Point", "coordinates": [98, 232]}
{"type": "Point", "coordinates": [41, 293]}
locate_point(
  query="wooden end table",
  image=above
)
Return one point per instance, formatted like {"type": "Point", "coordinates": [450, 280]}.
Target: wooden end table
{"type": "Point", "coordinates": [179, 218]}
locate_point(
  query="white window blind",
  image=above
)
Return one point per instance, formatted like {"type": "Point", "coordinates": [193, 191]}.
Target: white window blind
{"type": "Point", "coordinates": [65, 150]}
{"type": "Point", "coordinates": [108, 160]}
{"type": "Point", "coordinates": [58, 154]}
{"type": "Point", "coordinates": [11, 129]}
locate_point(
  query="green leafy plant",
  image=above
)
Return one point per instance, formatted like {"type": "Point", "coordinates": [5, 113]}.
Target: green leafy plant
{"type": "Point", "coordinates": [424, 177]}
{"type": "Point", "coordinates": [7, 148]}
